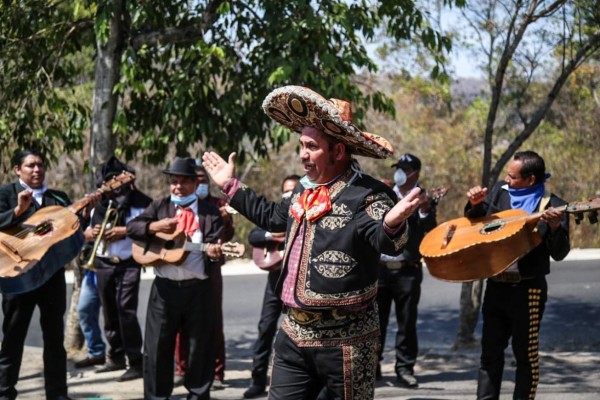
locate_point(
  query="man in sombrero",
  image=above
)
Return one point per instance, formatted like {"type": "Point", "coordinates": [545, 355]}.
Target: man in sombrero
{"type": "Point", "coordinates": [337, 222]}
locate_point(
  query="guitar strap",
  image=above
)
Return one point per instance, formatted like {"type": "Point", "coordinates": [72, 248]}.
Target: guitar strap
{"type": "Point", "coordinates": [545, 200]}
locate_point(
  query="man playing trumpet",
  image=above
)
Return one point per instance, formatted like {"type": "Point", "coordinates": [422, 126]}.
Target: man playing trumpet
{"type": "Point", "coordinates": [117, 275]}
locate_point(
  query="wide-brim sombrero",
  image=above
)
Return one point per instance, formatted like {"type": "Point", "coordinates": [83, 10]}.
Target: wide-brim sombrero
{"type": "Point", "coordinates": [297, 107]}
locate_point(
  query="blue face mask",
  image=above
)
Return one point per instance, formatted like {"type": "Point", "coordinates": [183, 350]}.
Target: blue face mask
{"type": "Point", "coordinates": [183, 201]}
{"type": "Point", "coordinates": [202, 190]}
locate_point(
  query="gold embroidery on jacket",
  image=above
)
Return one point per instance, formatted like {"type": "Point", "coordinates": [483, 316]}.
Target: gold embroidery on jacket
{"type": "Point", "coordinates": [377, 205]}
{"type": "Point", "coordinates": [333, 264]}
{"type": "Point", "coordinates": [339, 216]}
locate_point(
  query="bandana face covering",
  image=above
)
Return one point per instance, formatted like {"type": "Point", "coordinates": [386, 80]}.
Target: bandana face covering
{"type": "Point", "coordinates": [526, 198]}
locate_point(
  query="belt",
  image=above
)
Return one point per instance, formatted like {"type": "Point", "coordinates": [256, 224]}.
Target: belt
{"type": "Point", "coordinates": [182, 284]}
{"type": "Point", "coordinates": [401, 264]}
{"type": "Point", "coordinates": [304, 317]}
{"type": "Point", "coordinates": [510, 277]}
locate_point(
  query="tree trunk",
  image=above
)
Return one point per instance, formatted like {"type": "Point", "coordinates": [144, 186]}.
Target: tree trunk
{"type": "Point", "coordinates": [470, 304]}
{"type": "Point", "coordinates": [102, 144]}
{"type": "Point", "coordinates": [108, 63]}
{"type": "Point", "coordinates": [74, 339]}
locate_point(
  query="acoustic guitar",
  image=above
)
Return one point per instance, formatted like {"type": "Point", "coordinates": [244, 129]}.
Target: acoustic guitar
{"type": "Point", "coordinates": [464, 250]}
{"type": "Point", "coordinates": [31, 252]}
{"type": "Point", "coordinates": [173, 248]}
{"type": "Point", "coordinates": [269, 257]}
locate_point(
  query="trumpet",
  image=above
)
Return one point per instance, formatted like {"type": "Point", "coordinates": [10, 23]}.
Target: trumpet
{"type": "Point", "coordinates": [110, 220]}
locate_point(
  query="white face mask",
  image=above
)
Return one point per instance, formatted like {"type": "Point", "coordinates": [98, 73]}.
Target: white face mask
{"type": "Point", "coordinates": [202, 190]}
{"type": "Point", "coordinates": [400, 177]}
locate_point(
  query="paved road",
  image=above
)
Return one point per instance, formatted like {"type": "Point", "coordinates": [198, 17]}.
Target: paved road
{"type": "Point", "coordinates": [570, 342]}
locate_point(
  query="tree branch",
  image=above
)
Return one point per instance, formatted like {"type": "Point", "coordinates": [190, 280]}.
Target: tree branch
{"type": "Point", "coordinates": [586, 50]}
{"type": "Point", "coordinates": [180, 34]}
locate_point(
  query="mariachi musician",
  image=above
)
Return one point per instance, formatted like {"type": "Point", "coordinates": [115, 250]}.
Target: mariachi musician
{"type": "Point", "coordinates": [181, 297]}
{"type": "Point", "coordinates": [117, 274]}
{"type": "Point", "coordinates": [19, 201]}
{"type": "Point", "coordinates": [515, 299]}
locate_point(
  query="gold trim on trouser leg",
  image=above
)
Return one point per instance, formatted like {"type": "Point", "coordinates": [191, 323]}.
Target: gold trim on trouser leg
{"type": "Point", "coordinates": [360, 364]}
{"type": "Point", "coordinates": [533, 347]}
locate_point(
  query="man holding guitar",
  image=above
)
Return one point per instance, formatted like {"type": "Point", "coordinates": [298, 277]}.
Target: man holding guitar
{"type": "Point", "coordinates": [216, 278]}
{"type": "Point", "coordinates": [400, 276]}
{"type": "Point", "coordinates": [267, 255]}
{"type": "Point", "coordinates": [181, 298]}
{"type": "Point", "coordinates": [18, 202]}
{"type": "Point", "coordinates": [514, 300]}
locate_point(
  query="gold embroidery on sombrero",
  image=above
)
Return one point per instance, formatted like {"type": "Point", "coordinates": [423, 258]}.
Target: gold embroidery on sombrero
{"type": "Point", "coordinates": [296, 107]}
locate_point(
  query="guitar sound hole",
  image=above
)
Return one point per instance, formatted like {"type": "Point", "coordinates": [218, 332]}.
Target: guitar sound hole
{"type": "Point", "coordinates": [491, 227]}
{"type": "Point", "coordinates": [169, 244]}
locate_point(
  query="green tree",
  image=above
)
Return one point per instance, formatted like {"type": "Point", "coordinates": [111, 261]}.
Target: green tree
{"type": "Point", "coordinates": [170, 74]}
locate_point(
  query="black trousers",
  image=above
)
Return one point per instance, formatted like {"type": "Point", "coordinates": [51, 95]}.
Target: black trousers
{"type": "Point", "coordinates": [267, 327]}
{"type": "Point", "coordinates": [118, 288]}
{"type": "Point", "coordinates": [511, 311]}
{"type": "Point", "coordinates": [51, 298]}
{"type": "Point", "coordinates": [186, 307]}
{"type": "Point", "coordinates": [335, 373]}
{"type": "Point", "coordinates": [403, 288]}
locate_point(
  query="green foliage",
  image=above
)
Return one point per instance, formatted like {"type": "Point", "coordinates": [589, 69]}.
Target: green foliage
{"type": "Point", "coordinates": [180, 86]}
{"type": "Point", "coordinates": [40, 103]}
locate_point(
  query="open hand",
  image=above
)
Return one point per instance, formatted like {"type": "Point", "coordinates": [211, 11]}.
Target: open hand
{"type": "Point", "coordinates": [403, 209]}
{"type": "Point", "coordinates": [219, 170]}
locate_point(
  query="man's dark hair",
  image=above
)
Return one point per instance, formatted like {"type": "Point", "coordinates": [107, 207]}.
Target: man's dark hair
{"type": "Point", "coordinates": [18, 158]}
{"type": "Point", "coordinates": [533, 164]}
{"type": "Point", "coordinates": [292, 177]}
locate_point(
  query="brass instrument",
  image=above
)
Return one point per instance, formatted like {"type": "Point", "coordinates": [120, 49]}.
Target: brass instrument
{"type": "Point", "coordinates": [110, 220]}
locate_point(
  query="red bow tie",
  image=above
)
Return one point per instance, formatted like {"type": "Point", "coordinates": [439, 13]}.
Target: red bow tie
{"type": "Point", "coordinates": [314, 203]}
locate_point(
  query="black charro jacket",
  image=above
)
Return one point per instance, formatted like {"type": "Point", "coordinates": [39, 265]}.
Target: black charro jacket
{"type": "Point", "coordinates": [340, 251]}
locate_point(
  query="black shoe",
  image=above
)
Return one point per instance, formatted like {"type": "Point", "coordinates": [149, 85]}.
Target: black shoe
{"type": "Point", "coordinates": [178, 380]}
{"type": "Point", "coordinates": [255, 391]}
{"type": "Point", "coordinates": [90, 362]}
{"type": "Point", "coordinates": [112, 365]}
{"type": "Point", "coordinates": [217, 385]}
{"type": "Point", "coordinates": [408, 380]}
{"type": "Point", "coordinates": [132, 373]}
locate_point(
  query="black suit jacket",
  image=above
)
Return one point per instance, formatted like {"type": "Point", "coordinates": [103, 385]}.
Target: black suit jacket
{"type": "Point", "coordinates": [8, 201]}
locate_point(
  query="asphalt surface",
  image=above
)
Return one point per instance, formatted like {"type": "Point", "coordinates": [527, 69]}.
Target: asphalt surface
{"type": "Point", "coordinates": [570, 342]}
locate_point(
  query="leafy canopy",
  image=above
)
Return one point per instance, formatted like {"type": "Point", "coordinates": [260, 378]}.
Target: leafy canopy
{"type": "Point", "coordinates": [189, 72]}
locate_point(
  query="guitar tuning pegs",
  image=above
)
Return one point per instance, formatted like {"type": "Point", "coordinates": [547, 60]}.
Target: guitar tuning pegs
{"type": "Point", "coordinates": [593, 217]}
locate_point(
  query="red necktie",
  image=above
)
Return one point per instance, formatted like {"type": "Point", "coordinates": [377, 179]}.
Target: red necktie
{"type": "Point", "coordinates": [187, 221]}
{"type": "Point", "coordinates": [313, 202]}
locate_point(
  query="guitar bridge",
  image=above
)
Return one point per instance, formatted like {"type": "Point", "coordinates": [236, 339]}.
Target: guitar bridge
{"type": "Point", "coordinates": [12, 252]}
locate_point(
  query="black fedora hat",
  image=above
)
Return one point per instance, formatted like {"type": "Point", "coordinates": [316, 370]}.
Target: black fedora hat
{"type": "Point", "coordinates": [182, 166]}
